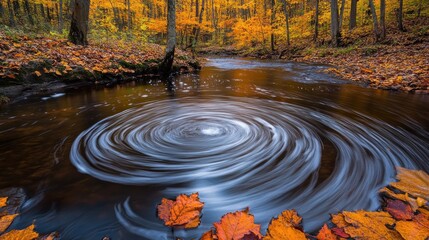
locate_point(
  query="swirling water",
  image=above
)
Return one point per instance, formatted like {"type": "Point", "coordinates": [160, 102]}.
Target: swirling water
{"type": "Point", "coordinates": [243, 133]}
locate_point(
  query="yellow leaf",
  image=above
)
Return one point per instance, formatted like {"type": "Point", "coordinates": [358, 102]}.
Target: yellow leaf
{"type": "Point", "coordinates": [414, 182]}
{"type": "Point", "coordinates": [418, 229]}
{"type": "Point", "coordinates": [58, 73]}
{"type": "Point", "coordinates": [370, 225]}
{"type": "Point", "coordinates": [38, 73]}
{"type": "Point", "coordinates": [285, 226]}
{"type": "Point", "coordinates": [5, 221]}
{"type": "Point", "coordinates": [24, 234]}
{"type": "Point", "coordinates": [3, 201]}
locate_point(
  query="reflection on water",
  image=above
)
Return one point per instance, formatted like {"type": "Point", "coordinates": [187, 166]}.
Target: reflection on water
{"type": "Point", "coordinates": [267, 135]}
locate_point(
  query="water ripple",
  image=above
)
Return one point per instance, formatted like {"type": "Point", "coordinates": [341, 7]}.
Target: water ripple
{"type": "Point", "coordinates": [239, 152]}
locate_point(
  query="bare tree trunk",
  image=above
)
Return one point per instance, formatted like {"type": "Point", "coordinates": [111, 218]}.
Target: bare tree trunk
{"type": "Point", "coordinates": [2, 15]}
{"type": "Point", "coordinates": [399, 15]}
{"type": "Point", "coordinates": [273, 17]}
{"type": "Point", "coordinates": [200, 20]}
{"type": "Point", "coordinates": [286, 13]}
{"type": "Point", "coordinates": [374, 20]}
{"type": "Point", "coordinates": [11, 14]}
{"type": "Point", "coordinates": [335, 30]}
{"type": "Point", "coordinates": [28, 12]}
{"type": "Point", "coordinates": [353, 14]}
{"type": "Point", "coordinates": [383, 19]}
{"type": "Point", "coordinates": [60, 18]}
{"type": "Point", "coordinates": [316, 22]}
{"type": "Point", "coordinates": [167, 63]}
{"type": "Point", "coordinates": [343, 2]}
{"type": "Point", "coordinates": [79, 23]}
{"type": "Point", "coordinates": [129, 18]}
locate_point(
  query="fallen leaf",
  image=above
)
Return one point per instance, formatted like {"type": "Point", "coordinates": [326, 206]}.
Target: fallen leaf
{"type": "Point", "coordinates": [399, 210]}
{"type": "Point", "coordinates": [234, 226]}
{"type": "Point", "coordinates": [338, 219]}
{"type": "Point", "coordinates": [414, 182]}
{"type": "Point", "coordinates": [6, 221]}
{"type": "Point", "coordinates": [24, 234]}
{"type": "Point", "coordinates": [58, 73]}
{"type": "Point", "coordinates": [285, 226]}
{"type": "Point", "coordinates": [3, 202]}
{"type": "Point", "coordinates": [252, 236]}
{"type": "Point", "coordinates": [340, 232]}
{"type": "Point", "coordinates": [414, 203]}
{"type": "Point", "coordinates": [326, 234]}
{"type": "Point", "coordinates": [183, 212]}
{"type": "Point", "coordinates": [38, 73]}
{"type": "Point", "coordinates": [209, 235]}
{"type": "Point", "coordinates": [369, 225]}
{"type": "Point", "coordinates": [416, 229]}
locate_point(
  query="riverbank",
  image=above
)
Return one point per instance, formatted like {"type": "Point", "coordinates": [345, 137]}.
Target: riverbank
{"type": "Point", "coordinates": [37, 64]}
{"type": "Point", "coordinates": [399, 63]}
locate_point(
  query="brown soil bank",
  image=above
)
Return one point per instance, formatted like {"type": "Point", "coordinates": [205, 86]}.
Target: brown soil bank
{"type": "Point", "coordinates": [34, 64]}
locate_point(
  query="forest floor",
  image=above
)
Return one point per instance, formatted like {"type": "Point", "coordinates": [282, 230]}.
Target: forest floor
{"type": "Point", "coordinates": [35, 64]}
{"type": "Point", "coordinates": [400, 62]}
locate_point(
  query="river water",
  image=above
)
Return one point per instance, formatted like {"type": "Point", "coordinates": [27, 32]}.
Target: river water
{"type": "Point", "coordinates": [243, 133]}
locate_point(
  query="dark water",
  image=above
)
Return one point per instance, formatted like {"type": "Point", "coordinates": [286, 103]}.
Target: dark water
{"type": "Point", "coordinates": [266, 135]}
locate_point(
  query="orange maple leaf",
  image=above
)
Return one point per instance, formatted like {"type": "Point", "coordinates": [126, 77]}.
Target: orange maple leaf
{"type": "Point", "coordinates": [184, 212]}
{"type": "Point", "coordinates": [234, 226]}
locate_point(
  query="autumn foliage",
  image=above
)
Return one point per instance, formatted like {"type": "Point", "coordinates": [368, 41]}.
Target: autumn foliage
{"type": "Point", "coordinates": [397, 221]}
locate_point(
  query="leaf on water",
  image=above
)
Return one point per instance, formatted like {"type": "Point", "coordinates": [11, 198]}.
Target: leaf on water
{"type": "Point", "coordinates": [326, 234]}
{"type": "Point", "coordinates": [6, 221]}
{"type": "Point", "coordinates": [252, 236]}
{"type": "Point", "coordinates": [3, 201]}
{"type": "Point", "coordinates": [183, 212]}
{"type": "Point", "coordinates": [414, 182]}
{"type": "Point", "coordinates": [285, 226]}
{"type": "Point", "coordinates": [24, 234]}
{"type": "Point", "coordinates": [209, 235]}
{"type": "Point", "coordinates": [340, 232]}
{"type": "Point", "coordinates": [416, 229]}
{"type": "Point", "coordinates": [414, 203]}
{"type": "Point", "coordinates": [234, 226]}
{"type": "Point", "coordinates": [370, 225]}
{"type": "Point", "coordinates": [399, 210]}
{"type": "Point", "coordinates": [338, 219]}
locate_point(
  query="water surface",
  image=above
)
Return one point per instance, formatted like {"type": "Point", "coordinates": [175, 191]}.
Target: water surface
{"type": "Point", "coordinates": [243, 133]}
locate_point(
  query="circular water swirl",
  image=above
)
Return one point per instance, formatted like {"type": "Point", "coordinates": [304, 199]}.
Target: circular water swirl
{"type": "Point", "coordinates": [239, 152]}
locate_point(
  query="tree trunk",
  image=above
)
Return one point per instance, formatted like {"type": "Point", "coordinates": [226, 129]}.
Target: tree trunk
{"type": "Point", "coordinates": [79, 23]}
{"type": "Point", "coordinates": [335, 28]}
{"type": "Point", "coordinates": [374, 20]}
{"type": "Point", "coordinates": [343, 2]}
{"type": "Point", "coordinates": [60, 18]}
{"type": "Point", "coordinates": [286, 13]}
{"type": "Point", "coordinates": [167, 63]}
{"type": "Point", "coordinates": [200, 20]}
{"type": "Point", "coordinates": [129, 18]}
{"type": "Point", "coordinates": [353, 14]}
{"type": "Point", "coordinates": [1, 13]}
{"type": "Point", "coordinates": [316, 22]}
{"type": "Point", "coordinates": [28, 12]}
{"type": "Point", "coordinates": [399, 15]}
{"type": "Point", "coordinates": [273, 17]}
{"type": "Point", "coordinates": [383, 19]}
{"type": "Point", "coordinates": [11, 14]}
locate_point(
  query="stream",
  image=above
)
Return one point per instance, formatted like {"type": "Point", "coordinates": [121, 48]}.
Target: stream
{"type": "Point", "coordinates": [242, 133]}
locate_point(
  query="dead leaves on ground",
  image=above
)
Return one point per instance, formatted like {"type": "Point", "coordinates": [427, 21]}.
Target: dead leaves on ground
{"type": "Point", "coordinates": [399, 220]}
{"type": "Point", "coordinates": [47, 58]}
